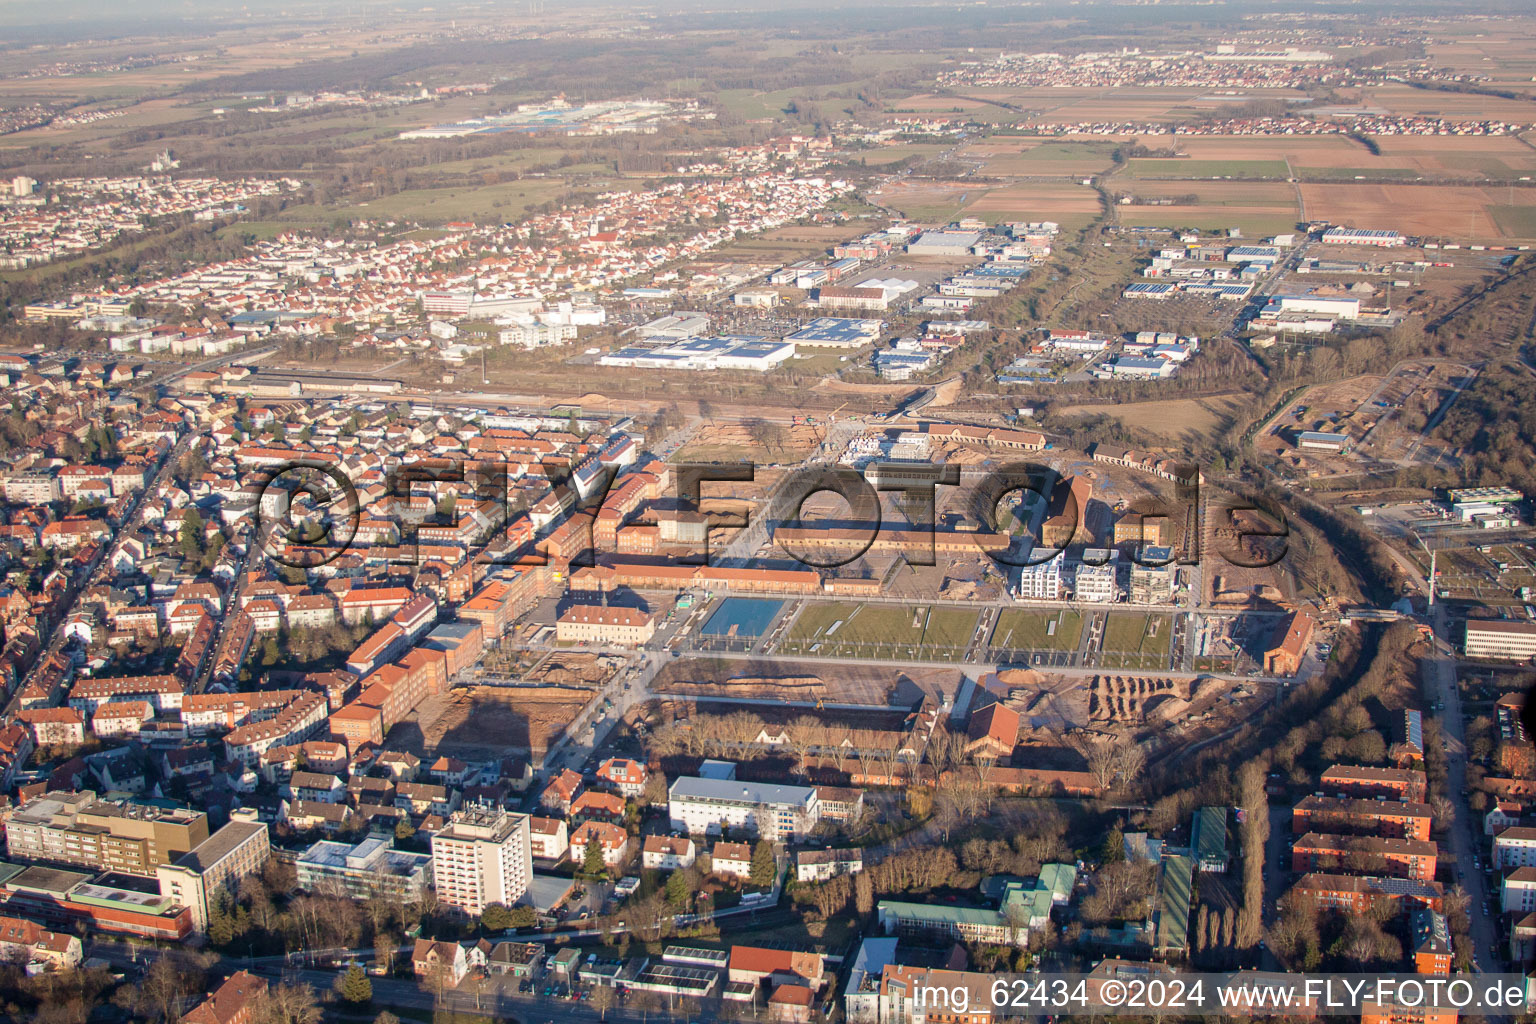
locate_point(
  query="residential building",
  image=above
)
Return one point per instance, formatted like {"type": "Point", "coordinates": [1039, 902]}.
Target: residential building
{"type": "Point", "coordinates": [78, 828]}
{"type": "Point", "coordinates": [548, 838]}
{"type": "Point", "coordinates": [1369, 782]}
{"type": "Point", "coordinates": [439, 963]}
{"type": "Point", "coordinates": [1360, 893]}
{"type": "Point", "coordinates": [233, 1002]}
{"type": "Point", "coordinates": [482, 857]}
{"type": "Point", "coordinates": [610, 838]}
{"type": "Point", "coordinates": [704, 806]}
{"type": "Point", "coordinates": [1097, 584]}
{"type": "Point", "coordinates": [731, 860]}
{"type": "Point", "coordinates": [27, 942]}
{"type": "Point", "coordinates": [1517, 893]}
{"type": "Point", "coordinates": [820, 865]}
{"type": "Point", "coordinates": [1379, 817]}
{"type": "Point", "coordinates": [1372, 855]}
{"type": "Point", "coordinates": [1514, 848]}
{"type": "Point", "coordinates": [1041, 581]}
{"type": "Point", "coordinates": [624, 774]}
{"type": "Point", "coordinates": [667, 853]}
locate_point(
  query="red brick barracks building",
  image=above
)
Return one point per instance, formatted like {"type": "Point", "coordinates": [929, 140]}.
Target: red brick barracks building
{"type": "Point", "coordinates": [1350, 814]}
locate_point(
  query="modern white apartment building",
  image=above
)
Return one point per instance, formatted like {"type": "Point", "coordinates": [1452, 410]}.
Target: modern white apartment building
{"type": "Point", "coordinates": [1096, 583]}
{"type": "Point", "coordinates": [1041, 582]}
{"type": "Point", "coordinates": [702, 806]}
{"type": "Point", "coordinates": [482, 857]}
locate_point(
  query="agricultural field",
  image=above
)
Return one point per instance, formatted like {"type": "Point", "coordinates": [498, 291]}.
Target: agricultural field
{"type": "Point", "coordinates": [1254, 208]}
{"type": "Point", "coordinates": [1450, 211]}
{"type": "Point", "coordinates": [1071, 206]}
{"type": "Point", "coordinates": [1023, 629]}
{"type": "Point", "coordinates": [1252, 222]}
{"type": "Point", "coordinates": [1189, 169]}
{"type": "Point", "coordinates": [1136, 640]}
{"type": "Point", "coordinates": [1005, 155]}
{"type": "Point", "coordinates": [928, 202]}
{"type": "Point", "coordinates": [851, 630]}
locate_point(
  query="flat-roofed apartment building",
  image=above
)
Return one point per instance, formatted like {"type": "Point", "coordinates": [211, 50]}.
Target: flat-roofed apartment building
{"type": "Point", "coordinates": [79, 828]}
{"type": "Point", "coordinates": [775, 812]}
{"type": "Point", "coordinates": [482, 857]}
{"type": "Point", "coordinates": [1500, 640]}
{"type": "Point", "coordinates": [371, 869]}
{"type": "Point", "coordinates": [218, 864]}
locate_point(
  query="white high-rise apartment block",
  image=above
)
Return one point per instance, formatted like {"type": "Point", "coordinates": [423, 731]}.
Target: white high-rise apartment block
{"type": "Point", "coordinates": [1041, 582]}
{"type": "Point", "coordinates": [482, 857]}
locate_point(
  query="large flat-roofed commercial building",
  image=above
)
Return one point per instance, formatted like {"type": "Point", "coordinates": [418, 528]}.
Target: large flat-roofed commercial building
{"type": "Point", "coordinates": [943, 243]}
{"type": "Point", "coordinates": [675, 327]}
{"type": "Point", "coordinates": [369, 870]}
{"type": "Point", "coordinates": [1363, 236]}
{"type": "Point", "coordinates": [219, 863]}
{"type": "Point", "coordinates": [1500, 639]}
{"type": "Point", "coordinates": [79, 828]}
{"type": "Point", "coordinates": [837, 332]}
{"type": "Point", "coordinates": [701, 806]}
{"type": "Point", "coordinates": [482, 857]}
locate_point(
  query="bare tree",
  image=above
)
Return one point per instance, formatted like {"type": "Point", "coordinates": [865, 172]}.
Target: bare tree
{"type": "Point", "coordinates": [799, 736]}
{"type": "Point", "coordinates": [287, 1004]}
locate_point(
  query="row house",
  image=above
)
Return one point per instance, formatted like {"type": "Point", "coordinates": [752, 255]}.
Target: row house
{"type": "Point", "coordinates": [297, 722]}
{"type": "Point", "coordinates": [204, 713]}
{"type": "Point", "coordinates": [162, 692]}
{"type": "Point", "coordinates": [54, 726]}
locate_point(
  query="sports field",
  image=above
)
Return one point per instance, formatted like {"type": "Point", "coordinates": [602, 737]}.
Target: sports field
{"type": "Point", "coordinates": [1022, 629]}
{"type": "Point", "coordinates": [852, 630]}
{"type": "Point", "coordinates": [1136, 640]}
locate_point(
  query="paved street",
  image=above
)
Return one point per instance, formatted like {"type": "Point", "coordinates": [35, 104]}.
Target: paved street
{"type": "Point", "coordinates": [1468, 847]}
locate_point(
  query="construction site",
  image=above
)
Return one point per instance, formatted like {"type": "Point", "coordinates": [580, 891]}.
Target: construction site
{"type": "Point", "coordinates": [526, 714]}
